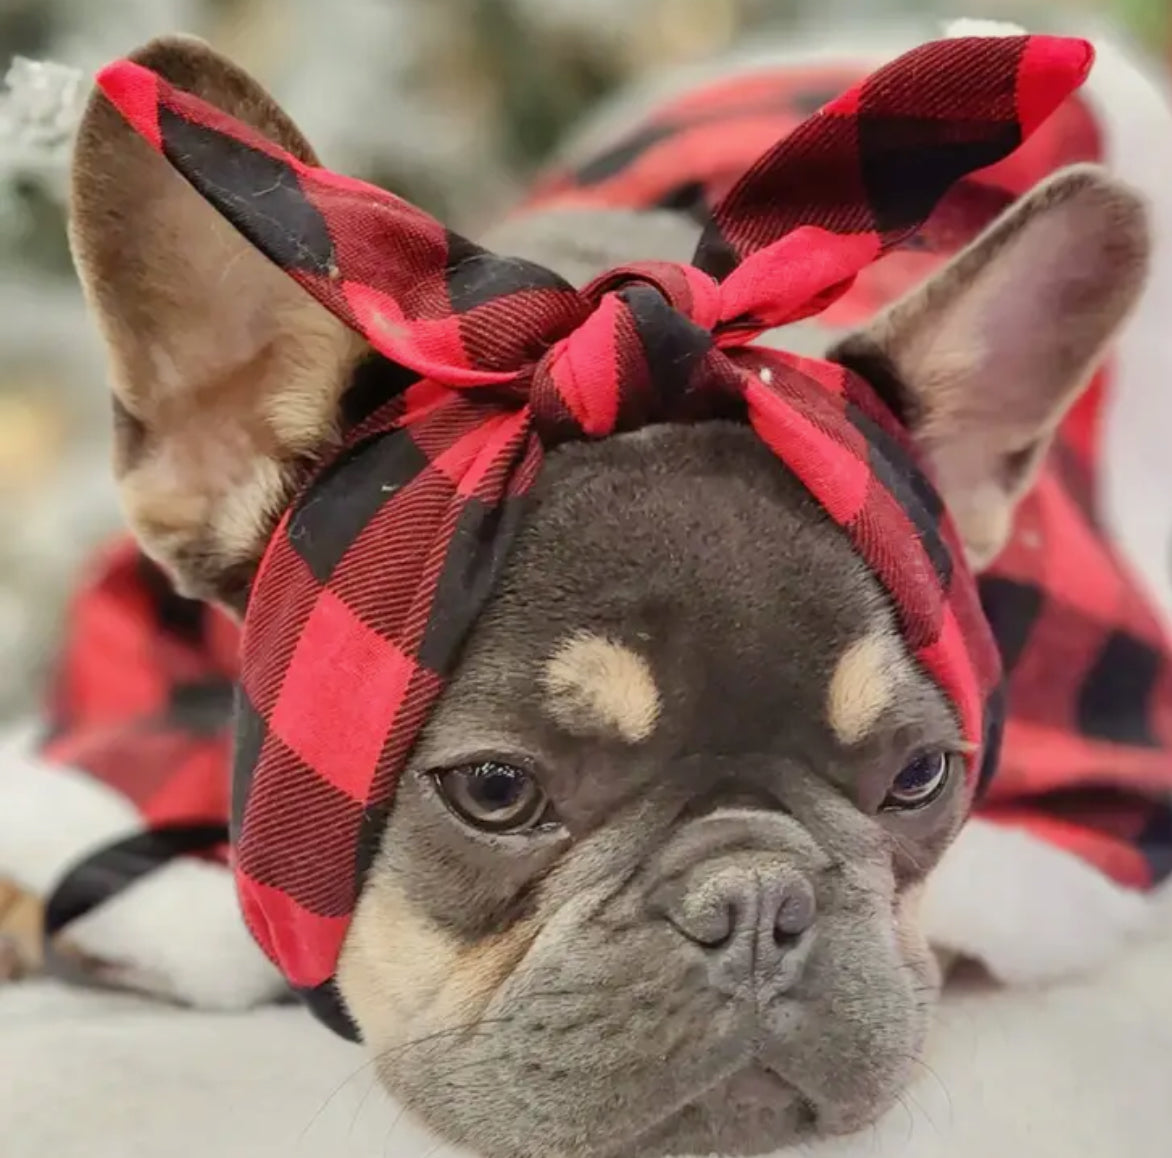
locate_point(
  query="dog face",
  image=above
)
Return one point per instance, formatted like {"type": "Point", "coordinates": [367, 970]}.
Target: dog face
{"type": "Point", "coordinates": [656, 862]}
{"type": "Point", "coordinates": [650, 881]}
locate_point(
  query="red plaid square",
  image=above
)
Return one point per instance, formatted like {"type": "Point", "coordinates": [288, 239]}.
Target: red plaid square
{"type": "Point", "coordinates": [341, 692]}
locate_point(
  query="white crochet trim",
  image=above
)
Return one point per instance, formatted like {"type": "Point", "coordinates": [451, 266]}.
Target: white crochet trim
{"type": "Point", "coordinates": [1030, 912]}
{"type": "Point", "coordinates": [52, 816]}
{"type": "Point", "coordinates": [177, 933]}
{"type": "Point", "coordinates": [1134, 111]}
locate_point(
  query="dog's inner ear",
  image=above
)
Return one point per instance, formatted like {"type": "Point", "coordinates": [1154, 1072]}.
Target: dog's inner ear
{"type": "Point", "coordinates": [226, 374]}
{"type": "Point", "coordinates": [986, 358]}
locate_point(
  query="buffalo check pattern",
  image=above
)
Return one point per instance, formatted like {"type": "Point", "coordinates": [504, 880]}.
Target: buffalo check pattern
{"type": "Point", "coordinates": [378, 569]}
{"type": "Point", "coordinates": [374, 576]}
{"type": "Point", "coordinates": [140, 700]}
{"type": "Point", "coordinates": [1087, 753]}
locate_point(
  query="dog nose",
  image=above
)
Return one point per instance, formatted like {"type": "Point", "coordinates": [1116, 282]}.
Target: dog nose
{"type": "Point", "coordinates": [748, 916]}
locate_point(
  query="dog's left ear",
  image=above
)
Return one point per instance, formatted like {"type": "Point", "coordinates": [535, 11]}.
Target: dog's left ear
{"type": "Point", "coordinates": [985, 359]}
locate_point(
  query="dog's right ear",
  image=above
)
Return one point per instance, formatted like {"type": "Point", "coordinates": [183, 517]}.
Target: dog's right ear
{"type": "Point", "coordinates": [985, 358]}
{"type": "Point", "coordinates": [226, 374]}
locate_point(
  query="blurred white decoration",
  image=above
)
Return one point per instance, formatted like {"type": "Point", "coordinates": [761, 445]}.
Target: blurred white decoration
{"type": "Point", "coordinates": [401, 96]}
{"type": "Point", "coordinates": [39, 111]}
{"type": "Point", "coordinates": [88, 35]}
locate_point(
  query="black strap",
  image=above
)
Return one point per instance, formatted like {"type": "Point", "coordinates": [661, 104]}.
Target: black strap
{"type": "Point", "coordinates": [112, 869]}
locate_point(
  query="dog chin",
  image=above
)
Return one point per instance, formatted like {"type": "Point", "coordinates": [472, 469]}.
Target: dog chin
{"type": "Point", "coordinates": [755, 1111]}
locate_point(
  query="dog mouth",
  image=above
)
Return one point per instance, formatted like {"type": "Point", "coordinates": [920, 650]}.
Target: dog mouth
{"type": "Point", "coordinates": [757, 1085]}
{"type": "Point", "coordinates": [759, 1096]}
{"type": "Point", "coordinates": [753, 1111]}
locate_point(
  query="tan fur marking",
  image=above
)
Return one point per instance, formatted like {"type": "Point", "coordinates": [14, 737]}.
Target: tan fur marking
{"type": "Point", "coordinates": [595, 685]}
{"type": "Point", "coordinates": [247, 514]}
{"type": "Point", "coordinates": [21, 924]}
{"type": "Point", "coordinates": [863, 685]}
{"type": "Point", "coordinates": [402, 976]}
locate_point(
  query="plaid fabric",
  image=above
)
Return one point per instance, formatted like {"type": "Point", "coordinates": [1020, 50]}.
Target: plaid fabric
{"type": "Point", "coordinates": [141, 691]}
{"type": "Point", "coordinates": [377, 571]}
{"type": "Point", "coordinates": [1087, 753]}
{"type": "Point", "coordinates": [141, 701]}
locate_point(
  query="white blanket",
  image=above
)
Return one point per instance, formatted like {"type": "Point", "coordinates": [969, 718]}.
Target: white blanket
{"type": "Point", "coordinates": [1080, 1071]}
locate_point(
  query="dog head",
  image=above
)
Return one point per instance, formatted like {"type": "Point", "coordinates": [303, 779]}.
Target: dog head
{"type": "Point", "coordinates": [649, 885]}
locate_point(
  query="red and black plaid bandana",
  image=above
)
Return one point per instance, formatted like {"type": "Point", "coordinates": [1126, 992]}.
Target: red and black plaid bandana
{"type": "Point", "coordinates": [374, 576]}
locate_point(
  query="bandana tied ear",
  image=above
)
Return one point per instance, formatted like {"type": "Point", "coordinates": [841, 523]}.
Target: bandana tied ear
{"type": "Point", "coordinates": [375, 575]}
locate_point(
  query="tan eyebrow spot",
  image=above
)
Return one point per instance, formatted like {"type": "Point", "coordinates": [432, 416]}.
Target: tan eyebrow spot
{"type": "Point", "coordinates": [596, 686]}
{"type": "Point", "coordinates": [863, 685]}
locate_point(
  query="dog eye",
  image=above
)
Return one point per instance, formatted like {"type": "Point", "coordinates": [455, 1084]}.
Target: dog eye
{"type": "Point", "coordinates": [921, 781]}
{"type": "Point", "coordinates": [493, 797]}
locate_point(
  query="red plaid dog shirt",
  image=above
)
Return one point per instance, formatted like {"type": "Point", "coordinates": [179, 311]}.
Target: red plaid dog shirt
{"type": "Point", "coordinates": [809, 206]}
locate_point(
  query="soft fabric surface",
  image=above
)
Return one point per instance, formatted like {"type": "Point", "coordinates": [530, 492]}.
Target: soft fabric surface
{"type": "Point", "coordinates": [1081, 1070]}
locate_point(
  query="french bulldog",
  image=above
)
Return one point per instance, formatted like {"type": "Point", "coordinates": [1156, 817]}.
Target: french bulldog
{"type": "Point", "coordinates": [650, 885]}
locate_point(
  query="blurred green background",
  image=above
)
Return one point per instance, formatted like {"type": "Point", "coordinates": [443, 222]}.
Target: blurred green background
{"type": "Point", "coordinates": [449, 102]}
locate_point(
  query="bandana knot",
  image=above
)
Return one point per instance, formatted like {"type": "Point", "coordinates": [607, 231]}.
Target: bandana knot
{"type": "Point", "coordinates": [643, 354]}
{"type": "Point", "coordinates": [687, 289]}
